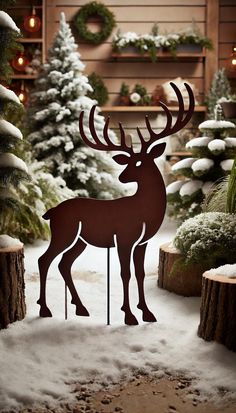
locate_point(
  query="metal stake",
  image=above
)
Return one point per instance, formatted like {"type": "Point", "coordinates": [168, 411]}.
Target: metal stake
{"type": "Point", "coordinates": [108, 286]}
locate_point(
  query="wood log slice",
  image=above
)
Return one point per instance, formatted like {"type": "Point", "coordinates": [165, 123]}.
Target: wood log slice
{"type": "Point", "coordinates": [12, 286]}
{"type": "Point", "coordinates": [218, 309]}
{"type": "Point", "coordinates": [177, 277]}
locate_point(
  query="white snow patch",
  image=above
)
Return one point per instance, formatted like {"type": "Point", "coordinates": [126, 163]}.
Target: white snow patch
{"type": "Point", "coordinates": [228, 270]}
{"type": "Point", "coordinates": [217, 145]}
{"type": "Point", "coordinates": [216, 124]}
{"type": "Point", "coordinates": [227, 164]}
{"type": "Point", "coordinates": [43, 359]}
{"type": "Point", "coordinates": [203, 164]}
{"type": "Point", "coordinates": [9, 95]}
{"type": "Point", "coordinates": [230, 142]}
{"type": "Point", "coordinates": [8, 160]}
{"type": "Point", "coordinates": [7, 242]}
{"type": "Point", "coordinates": [206, 187]}
{"type": "Point", "coordinates": [198, 142]}
{"type": "Point", "coordinates": [174, 187]}
{"type": "Point", "coordinates": [6, 21]}
{"type": "Point", "coordinates": [190, 187]}
{"type": "Point", "coordinates": [8, 129]}
{"type": "Point", "coordinates": [184, 163]}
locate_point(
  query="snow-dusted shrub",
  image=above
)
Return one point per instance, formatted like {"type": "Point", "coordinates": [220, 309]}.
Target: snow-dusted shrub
{"type": "Point", "coordinates": [208, 239]}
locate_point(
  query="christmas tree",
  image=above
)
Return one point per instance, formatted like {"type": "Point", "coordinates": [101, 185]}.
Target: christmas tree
{"type": "Point", "coordinates": [212, 158]}
{"type": "Point", "coordinates": [220, 88]}
{"type": "Point", "coordinates": [54, 110]}
{"type": "Point", "coordinates": [12, 168]}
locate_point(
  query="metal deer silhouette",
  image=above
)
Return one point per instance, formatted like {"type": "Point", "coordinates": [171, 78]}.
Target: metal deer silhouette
{"type": "Point", "coordinates": [127, 223]}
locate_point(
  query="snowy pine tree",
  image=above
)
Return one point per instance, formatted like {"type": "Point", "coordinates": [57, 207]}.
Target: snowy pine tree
{"type": "Point", "coordinates": [12, 168]}
{"type": "Point", "coordinates": [212, 159]}
{"type": "Point", "coordinates": [54, 110]}
{"type": "Point", "coordinates": [220, 87]}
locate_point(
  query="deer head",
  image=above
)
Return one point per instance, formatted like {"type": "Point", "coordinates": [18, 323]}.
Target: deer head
{"type": "Point", "coordinates": [150, 149]}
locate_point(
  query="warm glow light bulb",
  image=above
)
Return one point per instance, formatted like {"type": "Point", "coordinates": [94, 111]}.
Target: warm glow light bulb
{"type": "Point", "coordinates": [32, 22]}
{"type": "Point", "coordinates": [234, 62]}
{"type": "Point", "coordinates": [20, 61]}
{"type": "Point", "coordinates": [21, 97]}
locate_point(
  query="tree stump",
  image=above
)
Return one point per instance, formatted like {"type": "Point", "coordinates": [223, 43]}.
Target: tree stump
{"type": "Point", "coordinates": [12, 286]}
{"type": "Point", "coordinates": [175, 276]}
{"type": "Point", "coordinates": [218, 310]}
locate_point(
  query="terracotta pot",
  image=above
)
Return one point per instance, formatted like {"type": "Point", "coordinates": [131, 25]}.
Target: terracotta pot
{"type": "Point", "coordinates": [124, 101]}
{"type": "Point", "coordinates": [229, 110]}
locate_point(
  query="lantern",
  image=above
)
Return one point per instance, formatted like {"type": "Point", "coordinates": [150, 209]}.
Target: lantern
{"type": "Point", "coordinates": [32, 23]}
{"type": "Point", "coordinates": [22, 94]}
{"type": "Point", "coordinates": [231, 63]}
{"type": "Point", "coordinates": [20, 62]}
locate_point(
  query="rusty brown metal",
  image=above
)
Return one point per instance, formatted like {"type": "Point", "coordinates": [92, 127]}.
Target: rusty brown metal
{"type": "Point", "coordinates": [126, 223]}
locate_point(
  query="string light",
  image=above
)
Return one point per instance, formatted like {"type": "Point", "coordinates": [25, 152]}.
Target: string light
{"type": "Point", "coordinates": [22, 93]}
{"type": "Point", "coordinates": [20, 62]}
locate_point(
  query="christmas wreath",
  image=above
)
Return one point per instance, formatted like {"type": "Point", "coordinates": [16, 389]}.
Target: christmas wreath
{"type": "Point", "coordinates": [94, 9]}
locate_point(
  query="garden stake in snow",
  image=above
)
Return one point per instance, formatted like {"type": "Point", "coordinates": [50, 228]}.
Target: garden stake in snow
{"type": "Point", "coordinates": [127, 223]}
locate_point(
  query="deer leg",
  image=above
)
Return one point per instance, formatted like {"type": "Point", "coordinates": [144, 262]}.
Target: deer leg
{"type": "Point", "coordinates": [65, 269]}
{"type": "Point", "coordinates": [57, 245]}
{"type": "Point", "coordinates": [139, 255]}
{"type": "Point", "coordinates": [124, 257]}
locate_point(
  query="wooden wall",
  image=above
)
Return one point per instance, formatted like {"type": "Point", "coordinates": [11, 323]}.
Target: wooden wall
{"type": "Point", "coordinates": [227, 30]}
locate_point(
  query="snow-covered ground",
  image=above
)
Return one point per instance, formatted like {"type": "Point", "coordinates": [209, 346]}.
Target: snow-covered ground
{"type": "Point", "coordinates": [41, 359]}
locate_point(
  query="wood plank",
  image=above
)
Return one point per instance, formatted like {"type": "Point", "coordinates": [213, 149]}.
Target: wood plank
{"type": "Point", "coordinates": [227, 32]}
{"type": "Point", "coordinates": [124, 70]}
{"type": "Point", "coordinates": [123, 3]}
{"type": "Point", "coordinates": [225, 50]}
{"type": "Point", "coordinates": [228, 14]}
{"type": "Point", "coordinates": [114, 98]}
{"type": "Point", "coordinates": [212, 19]}
{"type": "Point", "coordinates": [155, 109]}
{"type": "Point", "coordinates": [141, 13]}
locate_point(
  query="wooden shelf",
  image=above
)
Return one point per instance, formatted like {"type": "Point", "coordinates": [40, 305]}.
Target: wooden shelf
{"type": "Point", "coordinates": [146, 108]}
{"type": "Point", "coordinates": [180, 154]}
{"type": "Point", "coordinates": [24, 76]}
{"type": "Point", "coordinates": [30, 40]}
{"type": "Point", "coordinates": [160, 55]}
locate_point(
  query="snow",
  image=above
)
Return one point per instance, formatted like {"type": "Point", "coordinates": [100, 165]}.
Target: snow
{"type": "Point", "coordinates": [184, 163]}
{"type": "Point", "coordinates": [198, 142]}
{"type": "Point", "coordinates": [8, 160]}
{"type": "Point", "coordinates": [227, 164]}
{"type": "Point", "coordinates": [203, 164]}
{"type": "Point", "coordinates": [7, 242]}
{"type": "Point", "coordinates": [7, 22]}
{"type": "Point", "coordinates": [230, 142]}
{"type": "Point", "coordinates": [174, 187]}
{"type": "Point", "coordinates": [206, 187]}
{"type": "Point", "coordinates": [8, 95]}
{"type": "Point", "coordinates": [216, 124]}
{"type": "Point", "coordinates": [7, 129]}
{"type": "Point", "coordinates": [217, 145]}
{"type": "Point", "coordinates": [190, 187]}
{"type": "Point", "coordinates": [44, 359]}
{"type": "Point", "coordinates": [228, 270]}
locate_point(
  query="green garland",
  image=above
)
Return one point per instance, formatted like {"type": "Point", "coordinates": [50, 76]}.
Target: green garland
{"type": "Point", "coordinates": [91, 10]}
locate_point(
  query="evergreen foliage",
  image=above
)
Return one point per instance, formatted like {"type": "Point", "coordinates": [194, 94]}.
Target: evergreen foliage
{"type": "Point", "coordinates": [220, 88]}
{"type": "Point", "coordinates": [100, 92]}
{"type": "Point", "coordinates": [12, 168]}
{"type": "Point", "coordinates": [212, 159]}
{"type": "Point", "coordinates": [54, 110]}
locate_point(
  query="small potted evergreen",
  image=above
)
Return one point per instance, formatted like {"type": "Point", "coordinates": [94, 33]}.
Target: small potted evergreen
{"type": "Point", "coordinates": [229, 106]}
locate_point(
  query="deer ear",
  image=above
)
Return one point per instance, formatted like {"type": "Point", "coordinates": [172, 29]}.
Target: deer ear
{"type": "Point", "coordinates": [121, 159]}
{"type": "Point", "coordinates": [158, 150]}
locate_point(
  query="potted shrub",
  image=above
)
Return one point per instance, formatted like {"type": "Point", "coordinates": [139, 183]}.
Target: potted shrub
{"type": "Point", "coordinates": [124, 95]}
{"type": "Point", "coordinates": [229, 106]}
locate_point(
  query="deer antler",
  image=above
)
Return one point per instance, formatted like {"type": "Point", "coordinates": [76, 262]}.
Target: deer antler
{"type": "Point", "coordinates": [180, 121]}
{"type": "Point", "coordinates": [108, 145]}
{"type": "Point", "coordinates": [96, 143]}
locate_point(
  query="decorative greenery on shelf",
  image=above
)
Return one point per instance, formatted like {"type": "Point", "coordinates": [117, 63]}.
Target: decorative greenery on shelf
{"type": "Point", "coordinates": [139, 96]}
{"type": "Point", "coordinates": [94, 9]}
{"type": "Point", "coordinates": [100, 92]}
{"type": "Point", "coordinates": [152, 43]}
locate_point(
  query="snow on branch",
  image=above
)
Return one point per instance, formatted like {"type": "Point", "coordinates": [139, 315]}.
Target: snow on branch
{"type": "Point", "coordinates": [8, 160]}
{"type": "Point", "coordinates": [8, 129]}
{"type": "Point", "coordinates": [7, 22]}
{"type": "Point", "coordinates": [8, 95]}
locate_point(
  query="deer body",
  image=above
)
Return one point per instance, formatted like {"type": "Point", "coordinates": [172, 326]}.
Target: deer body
{"type": "Point", "coordinates": [126, 223]}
